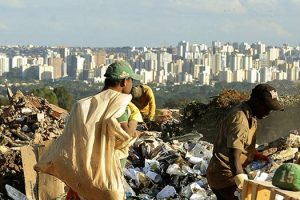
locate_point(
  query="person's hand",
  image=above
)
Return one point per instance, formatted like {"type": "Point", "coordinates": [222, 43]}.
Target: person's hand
{"type": "Point", "coordinates": [260, 156]}
{"type": "Point", "coordinates": [239, 180]}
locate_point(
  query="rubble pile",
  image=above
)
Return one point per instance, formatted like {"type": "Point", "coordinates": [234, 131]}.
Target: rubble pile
{"type": "Point", "coordinates": [11, 171]}
{"type": "Point", "coordinates": [28, 120]}
{"type": "Point", "coordinates": [282, 150]}
{"type": "Point", "coordinates": [173, 170]}
{"type": "Point", "coordinates": [157, 168]}
{"type": "Point", "coordinates": [177, 170]}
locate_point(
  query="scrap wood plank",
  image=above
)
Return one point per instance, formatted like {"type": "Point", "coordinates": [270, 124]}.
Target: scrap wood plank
{"type": "Point", "coordinates": [49, 187]}
{"type": "Point", "coordinates": [256, 190]}
{"type": "Point", "coordinates": [30, 176]}
{"type": "Point", "coordinates": [39, 186]}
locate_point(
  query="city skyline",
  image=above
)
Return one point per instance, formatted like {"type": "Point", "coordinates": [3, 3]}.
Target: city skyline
{"type": "Point", "coordinates": [99, 23]}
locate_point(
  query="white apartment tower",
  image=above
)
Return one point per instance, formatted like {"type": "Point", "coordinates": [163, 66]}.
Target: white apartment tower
{"type": "Point", "coordinates": [147, 76]}
{"type": "Point", "coordinates": [18, 61]}
{"type": "Point", "coordinates": [216, 63]}
{"type": "Point", "coordinates": [279, 75]}
{"type": "Point", "coordinates": [238, 75]}
{"type": "Point", "coordinates": [247, 62]}
{"type": "Point", "coordinates": [273, 53]}
{"type": "Point", "coordinates": [293, 73]}
{"type": "Point", "coordinates": [236, 61]}
{"type": "Point", "coordinates": [75, 66]}
{"type": "Point", "coordinates": [4, 64]}
{"type": "Point", "coordinates": [204, 78]}
{"type": "Point", "coordinates": [261, 48]}
{"type": "Point", "coordinates": [150, 61]}
{"type": "Point", "coordinates": [164, 58]}
{"type": "Point", "coordinates": [265, 74]}
{"type": "Point", "coordinates": [182, 48]}
{"type": "Point", "coordinates": [252, 76]}
{"type": "Point", "coordinates": [244, 47]}
{"type": "Point", "coordinates": [225, 76]}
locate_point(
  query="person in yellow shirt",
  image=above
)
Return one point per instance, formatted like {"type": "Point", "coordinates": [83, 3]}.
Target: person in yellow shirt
{"type": "Point", "coordinates": [143, 98]}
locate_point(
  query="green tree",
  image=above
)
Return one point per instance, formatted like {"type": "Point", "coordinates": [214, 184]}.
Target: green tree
{"type": "Point", "coordinates": [46, 93]}
{"type": "Point", "coordinates": [64, 98]}
{"type": "Point", "coordinates": [4, 101]}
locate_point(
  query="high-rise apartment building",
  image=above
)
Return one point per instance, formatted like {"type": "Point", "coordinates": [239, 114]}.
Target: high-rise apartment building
{"type": "Point", "coordinates": [75, 66]}
{"type": "Point", "coordinates": [238, 75]}
{"type": "Point", "coordinates": [293, 73]}
{"type": "Point", "coordinates": [244, 47]}
{"type": "Point", "coordinates": [183, 48]}
{"type": "Point", "coordinates": [18, 61]}
{"type": "Point", "coordinates": [58, 66]}
{"type": "Point", "coordinates": [273, 53]}
{"type": "Point", "coordinates": [261, 48]}
{"type": "Point", "coordinates": [236, 61]}
{"type": "Point", "coordinates": [265, 74]}
{"type": "Point", "coordinates": [225, 76]}
{"type": "Point", "coordinates": [4, 64]}
{"type": "Point", "coordinates": [100, 58]}
{"type": "Point", "coordinates": [252, 76]}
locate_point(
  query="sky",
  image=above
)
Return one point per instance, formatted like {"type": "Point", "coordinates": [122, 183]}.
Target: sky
{"type": "Point", "coordinates": [149, 23]}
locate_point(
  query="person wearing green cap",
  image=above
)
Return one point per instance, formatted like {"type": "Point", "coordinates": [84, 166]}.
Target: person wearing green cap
{"type": "Point", "coordinates": [117, 75]}
{"type": "Point", "coordinates": [118, 83]}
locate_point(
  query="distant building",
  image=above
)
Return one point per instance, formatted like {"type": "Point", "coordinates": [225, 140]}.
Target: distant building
{"type": "Point", "coordinates": [4, 64]}
{"type": "Point", "coordinates": [58, 65]}
{"type": "Point", "coordinates": [18, 61]}
{"type": "Point", "coordinates": [225, 76]}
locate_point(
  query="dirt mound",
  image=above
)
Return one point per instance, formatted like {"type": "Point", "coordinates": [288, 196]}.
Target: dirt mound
{"type": "Point", "coordinates": [204, 117]}
{"type": "Point", "coordinates": [227, 98]}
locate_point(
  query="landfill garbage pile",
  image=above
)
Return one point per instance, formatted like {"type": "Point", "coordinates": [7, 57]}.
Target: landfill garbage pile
{"type": "Point", "coordinates": [11, 172]}
{"type": "Point", "coordinates": [273, 154]}
{"type": "Point", "coordinates": [168, 170]}
{"type": "Point", "coordinates": [156, 168]}
{"type": "Point", "coordinates": [204, 117]}
{"type": "Point", "coordinates": [28, 120]}
{"type": "Point", "coordinates": [176, 170]}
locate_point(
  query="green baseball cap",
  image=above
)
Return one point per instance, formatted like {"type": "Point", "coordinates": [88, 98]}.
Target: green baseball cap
{"type": "Point", "coordinates": [121, 70]}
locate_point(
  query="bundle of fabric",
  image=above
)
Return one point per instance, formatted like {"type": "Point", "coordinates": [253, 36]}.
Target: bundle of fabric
{"type": "Point", "coordinates": [87, 155]}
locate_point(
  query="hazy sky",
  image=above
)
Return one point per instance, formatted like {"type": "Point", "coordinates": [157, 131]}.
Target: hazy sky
{"type": "Point", "coordinates": [112, 23]}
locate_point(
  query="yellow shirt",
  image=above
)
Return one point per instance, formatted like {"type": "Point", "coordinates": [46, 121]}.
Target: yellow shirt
{"type": "Point", "coordinates": [146, 103]}
{"type": "Point", "coordinates": [236, 130]}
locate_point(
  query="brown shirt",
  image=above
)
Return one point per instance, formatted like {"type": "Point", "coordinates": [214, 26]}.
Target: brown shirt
{"type": "Point", "coordinates": [236, 130]}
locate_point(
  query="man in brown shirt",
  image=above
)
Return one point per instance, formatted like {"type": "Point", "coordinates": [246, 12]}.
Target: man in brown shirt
{"type": "Point", "coordinates": [234, 146]}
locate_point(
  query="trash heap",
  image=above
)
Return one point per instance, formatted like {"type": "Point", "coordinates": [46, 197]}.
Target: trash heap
{"type": "Point", "coordinates": [204, 117]}
{"type": "Point", "coordinates": [173, 170]}
{"type": "Point", "coordinates": [28, 120]}
{"type": "Point", "coordinates": [158, 166]}
{"type": "Point", "coordinates": [176, 170]}
{"type": "Point", "coordinates": [273, 154]}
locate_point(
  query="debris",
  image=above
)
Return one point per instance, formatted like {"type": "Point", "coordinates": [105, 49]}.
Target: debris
{"type": "Point", "coordinates": [26, 121]}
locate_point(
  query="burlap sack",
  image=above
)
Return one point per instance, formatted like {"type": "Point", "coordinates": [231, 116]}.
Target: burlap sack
{"type": "Point", "coordinates": [87, 155]}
